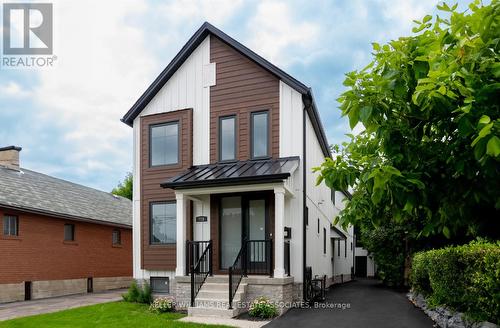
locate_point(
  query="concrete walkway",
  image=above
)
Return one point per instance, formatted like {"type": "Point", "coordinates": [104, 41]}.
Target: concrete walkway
{"type": "Point", "coordinates": [226, 322]}
{"type": "Point", "coordinates": [47, 305]}
{"type": "Point", "coordinates": [363, 303]}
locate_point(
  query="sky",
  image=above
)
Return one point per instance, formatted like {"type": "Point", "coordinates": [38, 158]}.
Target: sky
{"type": "Point", "coordinates": [67, 118]}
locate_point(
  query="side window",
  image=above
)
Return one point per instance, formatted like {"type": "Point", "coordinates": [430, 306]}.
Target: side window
{"type": "Point", "coordinates": [163, 226]}
{"type": "Point", "coordinates": [69, 232]}
{"type": "Point", "coordinates": [164, 144]}
{"type": "Point", "coordinates": [307, 216]}
{"type": "Point", "coordinates": [10, 225]}
{"type": "Point", "coordinates": [345, 247]}
{"type": "Point", "coordinates": [338, 247]}
{"type": "Point", "coordinates": [260, 134]}
{"type": "Point", "coordinates": [227, 138]}
{"type": "Point", "coordinates": [324, 241]}
{"type": "Point", "coordinates": [117, 237]}
{"type": "Point", "coordinates": [318, 226]}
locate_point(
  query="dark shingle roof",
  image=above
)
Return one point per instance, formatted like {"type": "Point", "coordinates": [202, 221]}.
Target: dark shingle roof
{"type": "Point", "coordinates": [241, 172]}
{"type": "Point", "coordinates": [36, 192]}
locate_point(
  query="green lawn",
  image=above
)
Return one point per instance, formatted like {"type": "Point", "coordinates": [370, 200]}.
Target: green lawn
{"type": "Point", "coordinates": [116, 314]}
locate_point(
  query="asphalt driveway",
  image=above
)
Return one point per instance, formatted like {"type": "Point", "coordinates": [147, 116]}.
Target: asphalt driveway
{"type": "Point", "coordinates": [363, 303]}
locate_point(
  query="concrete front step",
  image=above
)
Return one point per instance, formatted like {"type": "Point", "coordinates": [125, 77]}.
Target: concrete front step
{"type": "Point", "coordinates": [212, 312]}
{"type": "Point", "coordinates": [218, 295]}
{"type": "Point", "coordinates": [213, 298]}
{"type": "Point", "coordinates": [217, 279]}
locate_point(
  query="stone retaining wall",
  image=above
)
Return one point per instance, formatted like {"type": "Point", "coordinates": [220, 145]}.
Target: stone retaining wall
{"type": "Point", "coordinates": [445, 318]}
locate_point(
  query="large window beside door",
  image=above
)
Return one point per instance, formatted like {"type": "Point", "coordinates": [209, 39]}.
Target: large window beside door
{"type": "Point", "coordinates": [163, 226]}
{"type": "Point", "coordinates": [227, 138]}
{"type": "Point", "coordinates": [260, 135]}
{"type": "Point", "coordinates": [164, 144]}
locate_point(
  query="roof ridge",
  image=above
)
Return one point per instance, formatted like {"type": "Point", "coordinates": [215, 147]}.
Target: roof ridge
{"type": "Point", "coordinates": [22, 169]}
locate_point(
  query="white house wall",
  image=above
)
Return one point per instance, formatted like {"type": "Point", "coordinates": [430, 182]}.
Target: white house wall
{"type": "Point", "coordinates": [319, 202]}
{"type": "Point", "coordinates": [291, 115]}
{"type": "Point", "coordinates": [189, 87]}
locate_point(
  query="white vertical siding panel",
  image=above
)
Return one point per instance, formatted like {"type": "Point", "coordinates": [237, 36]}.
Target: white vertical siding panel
{"type": "Point", "coordinates": [136, 204]}
{"type": "Point", "coordinates": [185, 90]}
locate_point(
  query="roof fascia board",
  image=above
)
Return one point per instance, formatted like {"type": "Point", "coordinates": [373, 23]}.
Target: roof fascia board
{"type": "Point", "coordinates": [63, 216]}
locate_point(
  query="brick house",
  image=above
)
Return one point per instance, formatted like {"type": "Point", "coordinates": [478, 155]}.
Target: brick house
{"type": "Point", "coordinates": [58, 237]}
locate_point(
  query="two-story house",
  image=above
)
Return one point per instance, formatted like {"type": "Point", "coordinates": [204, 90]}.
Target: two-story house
{"type": "Point", "coordinates": [226, 206]}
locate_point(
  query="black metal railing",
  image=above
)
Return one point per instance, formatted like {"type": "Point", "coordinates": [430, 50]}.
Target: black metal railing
{"type": "Point", "coordinates": [194, 249]}
{"type": "Point", "coordinates": [287, 257]}
{"type": "Point", "coordinates": [315, 287]}
{"type": "Point", "coordinates": [236, 272]}
{"type": "Point", "coordinates": [200, 260]}
{"type": "Point", "coordinates": [259, 256]}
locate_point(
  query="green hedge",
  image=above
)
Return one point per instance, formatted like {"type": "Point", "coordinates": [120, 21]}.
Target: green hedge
{"type": "Point", "coordinates": [465, 278]}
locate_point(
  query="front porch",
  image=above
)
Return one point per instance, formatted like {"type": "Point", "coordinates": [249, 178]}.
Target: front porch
{"type": "Point", "coordinates": [237, 250]}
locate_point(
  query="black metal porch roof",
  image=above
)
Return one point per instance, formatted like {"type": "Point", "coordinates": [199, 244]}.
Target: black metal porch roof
{"type": "Point", "coordinates": [234, 173]}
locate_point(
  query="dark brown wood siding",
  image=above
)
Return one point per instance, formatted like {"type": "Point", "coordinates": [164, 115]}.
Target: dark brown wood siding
{"type": "Point", "coordinates": [162, 257]}
{"type": "Point", "coordinates": [242, 87]}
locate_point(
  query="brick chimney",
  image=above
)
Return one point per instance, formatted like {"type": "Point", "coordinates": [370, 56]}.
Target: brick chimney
{"type": "Point", "coordinates": [9, 157]}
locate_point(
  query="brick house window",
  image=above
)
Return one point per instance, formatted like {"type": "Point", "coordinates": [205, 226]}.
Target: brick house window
{"type": "Point", "coordinates": [117, 237]}
{"type": "Point", "coordinates": [69, 232]}
{"type": "Point", "coordinates": [10, 225]}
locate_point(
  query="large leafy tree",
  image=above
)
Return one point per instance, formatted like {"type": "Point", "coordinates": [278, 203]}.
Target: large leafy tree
{"type": "Point", "coordinates": [125, 187]}
{"type": "Point", "coordinates": [430, 152]}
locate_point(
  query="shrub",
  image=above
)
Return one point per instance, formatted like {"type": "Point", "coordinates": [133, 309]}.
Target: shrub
{"type": "Point", "coordinates": [136, 294]}
{"type": "Point", "coordinates": [132, 294]}
{"type": "Point", "coordinates": [162, 304]}
{"type": "Point", "coordinates": [146, 295]}
{"type": "Point", "coordinates": [465, 278]}
{"type": "Point", "coordinates": [263, 308]}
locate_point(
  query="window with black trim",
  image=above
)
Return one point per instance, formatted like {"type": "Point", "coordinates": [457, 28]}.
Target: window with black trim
{"type": "Point", "coordinates": [227, 138]}
{"type": "Point", "coordinates": [260, 135]}
{"type": "Point", "coordinates": [160, 284]}
{"type": "Point", "coordinates": [69, 232]}
{"type": "Point", "coordinates": [162, 223]}
{"type": "Point", "coordinates": [117, 237]}
{"type": "Point", "coordinates": [307, 216]}
{"type": "Point", "coordinates": [164, 144]}
{"type": "Point", "coordinates": [10, 225]}
{"type": "Point", "coordinates": [318, 226]}
{"type": "Point", "coordinates": [345, 247]}
{"type": "Point", "coordinates": [324, 241]}
{"type": "Point", "coordinates": [338, 247]}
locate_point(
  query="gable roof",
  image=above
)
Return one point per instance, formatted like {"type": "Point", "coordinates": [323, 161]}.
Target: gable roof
{"type": "Point", "coordinates": [38, 193]}
{"type": "Point", "coordinates": [198, 37]}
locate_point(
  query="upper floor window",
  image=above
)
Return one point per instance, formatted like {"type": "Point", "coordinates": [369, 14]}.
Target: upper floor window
{"type": "Point", "coordinates": [117, 237]}
{"type": "Point", "coordinates": [227, 138]}
{"type": "Point", "coordinates": [163, 226]}
{"type": "Point", "coordinates": [260, 134]}
{"type": "Point", "coordinates": [69, 232]}
{"type": "Point", "coordinates": [10, 225]}
{"type": "Point", "coordinates": [164, 144]}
